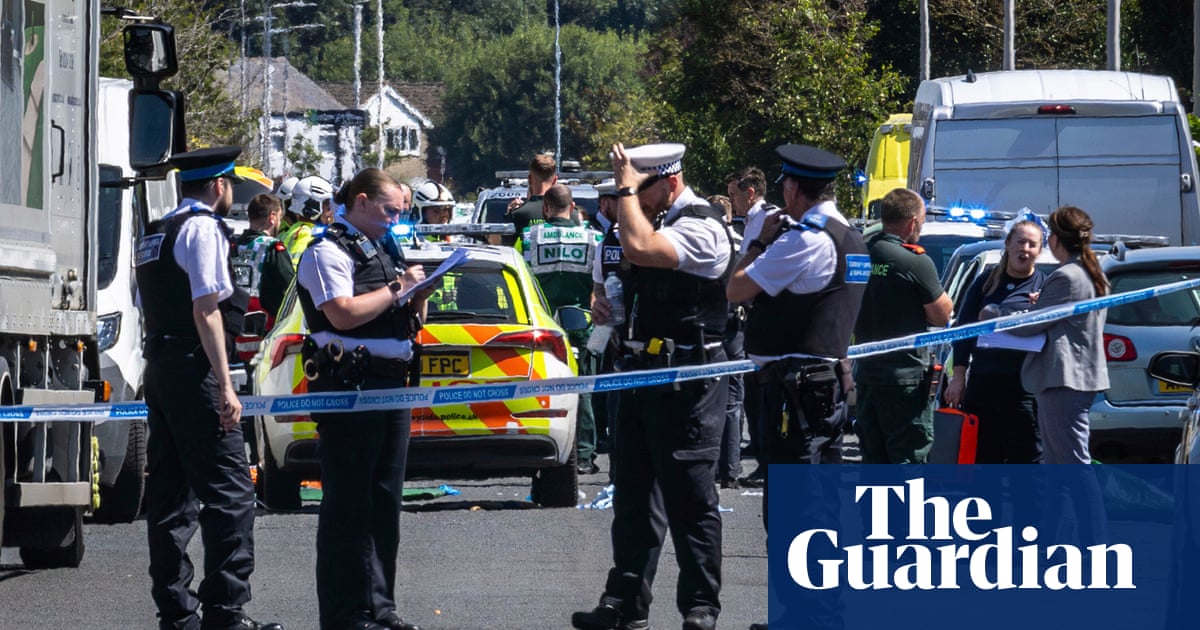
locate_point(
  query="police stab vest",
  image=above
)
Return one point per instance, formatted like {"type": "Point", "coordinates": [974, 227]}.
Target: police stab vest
{"type": "Point", "coordinates": [373, 268]}
{"type": "Point", "coordinates": [820, 323]}
{"type": "Point", "coordinates": [672, 304]}
{"type": "Point", "coordinates": [611, 255]}
{"type": "Point", "coordinates": [550, 248]}
{"type": "Point", "coordinates": [166, 292]}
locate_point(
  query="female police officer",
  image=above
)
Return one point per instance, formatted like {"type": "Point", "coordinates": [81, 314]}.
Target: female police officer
{"type": "Point", "coordinates": [361, 338]}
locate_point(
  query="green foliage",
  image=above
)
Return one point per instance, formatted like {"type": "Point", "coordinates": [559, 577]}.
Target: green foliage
{"type": "Point", "coordinates": [211, 117]}
{"type": "Point", "coordinates": [500, 98]}
{"type": "Point", "coordinates": [303, 156]}
{"type": "Point", "coordinates": [740, 78]}
{"type": "Point", "coordinates": [1194, 127]}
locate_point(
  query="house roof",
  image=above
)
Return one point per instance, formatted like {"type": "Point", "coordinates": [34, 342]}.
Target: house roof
{"type": "Point", "coordinates": [426, 98]}
{"type": "Point", "coordinates": [302, 92]}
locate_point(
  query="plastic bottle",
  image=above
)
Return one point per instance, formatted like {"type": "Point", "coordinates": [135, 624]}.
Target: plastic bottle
{"type": "Point", "coordinates": [598, 340]}
{"type": "Point", "coordinates": [616, 297]}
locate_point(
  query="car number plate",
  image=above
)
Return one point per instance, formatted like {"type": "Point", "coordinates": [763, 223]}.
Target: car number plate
{"type": "Point", "coordinates": [446, 364]}
{"type": "Point", "coordinates": [1169, 388]}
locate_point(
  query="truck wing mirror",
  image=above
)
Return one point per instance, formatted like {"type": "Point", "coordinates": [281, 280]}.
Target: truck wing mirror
{"type": "Point", "coordinates": [150, 50]}
{"type": "Point", "coordinates": [155, 127]}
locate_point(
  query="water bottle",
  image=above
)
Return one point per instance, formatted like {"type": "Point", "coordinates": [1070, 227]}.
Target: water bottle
{"type": "Point", "coordinates": [616, 298]}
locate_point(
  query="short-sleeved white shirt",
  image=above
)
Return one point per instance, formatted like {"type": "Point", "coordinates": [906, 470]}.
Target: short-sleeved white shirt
{"type": "Point", "coordinates": [754, 222]}
{"type": "Point", "coordinates": [202, 251]}
{"type": "Point", "coordinates": [702, 245]}
{"type": "Point", "coordinates": [326, 271]}
{"type": "Point", "coordinates": [800, 261]}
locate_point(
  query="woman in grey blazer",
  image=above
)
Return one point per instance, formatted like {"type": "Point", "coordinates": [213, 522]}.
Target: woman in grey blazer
{"type": "Point", "coordinates": [1070, 369]}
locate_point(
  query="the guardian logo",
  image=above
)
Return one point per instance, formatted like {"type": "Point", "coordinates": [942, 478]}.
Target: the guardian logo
{"type": "Point", "coordinates": [955, 548]}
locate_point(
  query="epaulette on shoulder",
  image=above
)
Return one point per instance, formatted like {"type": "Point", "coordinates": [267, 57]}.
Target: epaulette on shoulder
{"type": "Point", "coordinates": [814, 221]}
{"type": "Point", "coordinates": [916, 249]}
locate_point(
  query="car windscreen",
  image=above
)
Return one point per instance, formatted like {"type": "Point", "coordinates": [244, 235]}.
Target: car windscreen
{"type": "Point", "coordinates": [1181, 308]}
{"type": "Point", "coordinates": [474, 295]}
{"type": "Point", "coordinates": [108, 228]}
{"type": "Point", "coordinates": [940, 247]}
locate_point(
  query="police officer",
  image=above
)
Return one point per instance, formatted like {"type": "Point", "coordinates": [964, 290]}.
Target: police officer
{"type": "Point", "coordinates": [361, 337]}
{"type": "Point", "coordinates": [195, 453]}
{"type": "Point", "coordinates": [560, 252]}
{"type": "Point", "coordinates": [904, 296]}
{"type": "Point", "coordinates": [608, 259]}
{"type": "Point", "coordinates": [679, 250]}
{"type": "Point", "coordinates": [805, 270]}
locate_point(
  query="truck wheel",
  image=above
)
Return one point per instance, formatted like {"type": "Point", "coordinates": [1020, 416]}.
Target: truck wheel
{"type": "Point", "coordinates": [278, 489]}
{"type": "Point", "coordinates": [557, 486]}
{"type": "Point", "coordinates": [122, 503]}
{"type": "Point", "coordinates": [6, 398]}
{"type": "Point", "coordinates": [3, 477]}
{"type": "Point", "coordinates": [67, 556]}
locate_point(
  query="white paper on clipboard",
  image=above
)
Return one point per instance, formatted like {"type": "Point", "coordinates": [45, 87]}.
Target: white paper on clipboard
{"type": "Point", "coordinates": [1008, 341]}
{"type": "Point", "coordinates": [456, 259]}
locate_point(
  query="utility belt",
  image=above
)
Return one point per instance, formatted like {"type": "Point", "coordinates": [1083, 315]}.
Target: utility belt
{"type": "Point", "coordinates": [661, 353]}
{"type": "Point", "coordinates": [335, 364]}
{"type": "Point", "coordinates": [160, 346]}
{"type": "Point", "coordinates": [814, 387]}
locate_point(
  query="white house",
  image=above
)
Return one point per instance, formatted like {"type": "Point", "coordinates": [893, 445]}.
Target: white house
{"type": "Point", "coordinates": [303, 115]}
{"type": "Point", "coordinates": [407, 111]}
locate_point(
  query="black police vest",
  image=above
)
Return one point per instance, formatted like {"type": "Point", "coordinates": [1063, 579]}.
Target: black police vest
{"type": "Point", "coordinates": [166, 292]}
{"type": "Point", "coordinates": [373, 268]}
{"type": "Point", "coordinates": [673, 304]}
{"type": "Point", "coordinates": [611, 253]}
{"type": "Point", "coordinates": [819, 323]}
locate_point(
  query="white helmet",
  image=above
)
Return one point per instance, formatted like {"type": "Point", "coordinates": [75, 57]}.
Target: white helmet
{"type": "Point", "coordinates": [286, 187]}
{"type": "Point", "coordinates": [308, 195]}
{"type": "Point", "coordinates": [431, 194]}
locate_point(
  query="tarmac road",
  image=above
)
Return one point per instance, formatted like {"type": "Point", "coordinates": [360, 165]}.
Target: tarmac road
{"type": "Point", "coordinates": [486, 559]}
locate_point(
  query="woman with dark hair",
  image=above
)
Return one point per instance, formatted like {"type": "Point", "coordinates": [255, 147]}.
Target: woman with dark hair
{"type": "Point", "coordinates": [351, 283]}
{"type": "Point", "coordinates": [1008, 426]}
{"type": "Point", "coordinates": [1070, 369]}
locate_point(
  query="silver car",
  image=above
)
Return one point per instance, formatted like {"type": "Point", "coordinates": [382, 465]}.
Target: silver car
{"type": "Point", "coordinates": [1138, 418]}
{"type": "Point", "coordinates": [1182, 369]}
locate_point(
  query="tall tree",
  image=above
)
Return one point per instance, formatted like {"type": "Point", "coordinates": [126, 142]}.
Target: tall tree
{"type": "Point", "coordinates": [737, 78]}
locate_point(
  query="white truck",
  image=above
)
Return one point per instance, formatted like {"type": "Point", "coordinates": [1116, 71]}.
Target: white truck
{"type": "Point", "coordinates": [1116, 144]}
{"type": "Point", "coordinates": [49, 212]}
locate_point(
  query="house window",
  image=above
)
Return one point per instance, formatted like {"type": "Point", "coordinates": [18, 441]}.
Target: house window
{"type": "Point", "coordinates": [328, 143]}
{"type": "Point", "coordinates": [413, 144]}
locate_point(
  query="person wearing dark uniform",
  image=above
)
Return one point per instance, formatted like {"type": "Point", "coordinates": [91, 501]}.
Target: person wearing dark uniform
{"type": "Point", "coordinates": [195, 452]}
{"type": "Point", "coordinates": [680, 251]}
{"type": "Point", "coordinates": [895, 415]}
{"type": "Point", "coordinates": [543, 173]}
{"type": "Point", "coordinates": [608, 259]}
{"type": "Point", "coordinates": [261, 263]}
{"type": "Point", "coordinates": [362, 329]}
{"type": "Point", "coordinates": [805, 271]}
{"type": "Point", "coordinates": [559, 252]}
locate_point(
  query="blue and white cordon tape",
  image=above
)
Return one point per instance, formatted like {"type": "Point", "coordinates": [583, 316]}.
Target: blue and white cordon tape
{"type": "Point", "coordinates": [416, 397]}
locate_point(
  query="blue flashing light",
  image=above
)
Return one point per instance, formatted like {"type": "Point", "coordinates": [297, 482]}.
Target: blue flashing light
{"type": "Point", "coordinates": [956, 212]}
{"type": "Point", "coordinates": [402, 230]}
{"type": "Point", "coordinates": [977, 214]}
{"type": "Point", "coordinates": [860, 178]}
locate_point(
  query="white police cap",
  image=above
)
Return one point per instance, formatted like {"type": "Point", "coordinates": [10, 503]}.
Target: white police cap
{"type": "Point", "coordinates": [657, 159]}
{"type": "Point", "coordinates": [607, 188]}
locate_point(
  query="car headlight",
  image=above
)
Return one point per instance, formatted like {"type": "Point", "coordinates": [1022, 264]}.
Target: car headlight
{"type": "Point", "coordinates": [108, 329]}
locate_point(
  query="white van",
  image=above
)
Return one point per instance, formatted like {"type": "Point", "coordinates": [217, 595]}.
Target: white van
{"type": "Point", "coordinates": [1116, 144]}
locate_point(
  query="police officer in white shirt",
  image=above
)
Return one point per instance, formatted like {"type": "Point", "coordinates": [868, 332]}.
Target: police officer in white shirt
{"type": "Point", "coordinates": [679, 249]}
{"type": "Point", "coordinates": [351, 283]}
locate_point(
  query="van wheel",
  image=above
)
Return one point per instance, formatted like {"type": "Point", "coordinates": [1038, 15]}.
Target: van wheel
{"type": "Point", "coordinates": [278, 489]}
{"type": "Point", "coordinates": [70, 555]}
{"type": "Point", "coordinates": [122, 503]}
{"type": "Point", "coordinates": [557, 486]}
{"type": "Point", "coordinates": [3, 481]}
{"type": "Point", "coordinates": [6, 398]}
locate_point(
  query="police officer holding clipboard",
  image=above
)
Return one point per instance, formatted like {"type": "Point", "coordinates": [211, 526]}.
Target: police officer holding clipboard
{"type": "Point", "coordinates": [806, 272]}
{"type": "Point", "coordinates": [679, 249]}
{"type": "Point", "coordinates": [350, 283]}
{"type": "Point", "coordinates": [196, 459]}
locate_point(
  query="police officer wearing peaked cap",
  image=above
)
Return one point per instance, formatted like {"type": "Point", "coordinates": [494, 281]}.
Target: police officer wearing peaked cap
{"type": "Point", "coordinates": [679, 249]}
{"type": "Point", "coordinates": [352, 284]}
{"type": "Point", "coordinates": [197, 468]}
{"type": "Point", "coordinates": [805, 273]}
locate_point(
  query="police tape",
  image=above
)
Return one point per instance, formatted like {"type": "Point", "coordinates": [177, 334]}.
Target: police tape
{"type": "Point", "coordinates": [420, 397]}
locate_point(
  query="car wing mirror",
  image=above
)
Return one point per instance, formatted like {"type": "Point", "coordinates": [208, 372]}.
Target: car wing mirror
{"type": "Point", "coordinates": [1176, 368]}
{"type": "Point", "coordinates": [573, 318]}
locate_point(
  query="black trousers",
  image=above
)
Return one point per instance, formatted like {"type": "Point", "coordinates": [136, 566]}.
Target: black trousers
{"type": "Point", "coordinates": [198, 476]}
{"type": "Point", "coordinates": [363, 456]}
{"type": "Point", "coordinates": [665, 447]}
{"type": "Point", "coordinates": [1008, 428]}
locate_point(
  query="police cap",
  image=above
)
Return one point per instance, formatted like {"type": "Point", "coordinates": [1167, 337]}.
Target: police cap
{"type": "Point", "coordinates": [657, 159]}
{"type": "Point", "coordinates": [802, 160]}
{"type": "Point", "coordinates": [205, 164]}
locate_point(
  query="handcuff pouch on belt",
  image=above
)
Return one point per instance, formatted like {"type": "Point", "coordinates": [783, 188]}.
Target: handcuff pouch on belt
{"type": "Point", "coordinates": [812, 388]}
{"type": "Point", "coordinates": [334, 363]}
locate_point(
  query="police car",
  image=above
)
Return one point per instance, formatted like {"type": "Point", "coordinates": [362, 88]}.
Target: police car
{"type": "Point", "coordinates": [492, 204]}
{"type": "Point", "coordinates": [487, 323]}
